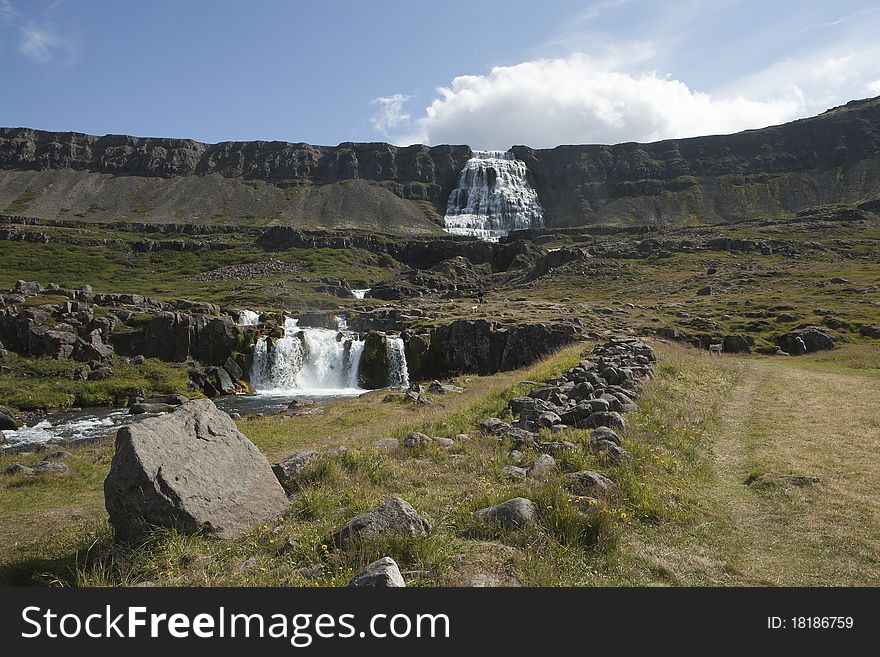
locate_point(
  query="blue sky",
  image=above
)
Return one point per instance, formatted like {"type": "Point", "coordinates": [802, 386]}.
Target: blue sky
{"type": "Point", "coordinates": [488, 73]}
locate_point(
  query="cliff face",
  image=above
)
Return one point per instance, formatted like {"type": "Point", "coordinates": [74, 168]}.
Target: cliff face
{"type": "Point", "coordinates": [831, 158]}
{"type": "Point", "coordinates": [346, 186]}
{"type": "Point", "coordinates": [834, 157]}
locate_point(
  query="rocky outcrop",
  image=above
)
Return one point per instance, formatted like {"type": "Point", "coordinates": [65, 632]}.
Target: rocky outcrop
{"type": "Point", "coordinates": [454, 275]}
{"type": "Point", "coordinates": [374, 365]}
{"type": "Point", "coordinates": [482, 347]}
{"type": "Point", "coordinates": [815, 338]}
{"type": "Point", "coordinates": [191, 470]}
{"type": "Point", "coordinates": [416, 253]}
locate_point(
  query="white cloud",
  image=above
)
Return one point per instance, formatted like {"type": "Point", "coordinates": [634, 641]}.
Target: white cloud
{"type": "Point", "coordinates": [575, 100]}
{"type": "Point", "coordinates": [390, 114]}
{"type": "Point", "coordinates": [38, 44]}
{"type": "Point", "coordinates": [7, 12]}
{"type": "Point", "coordinates": [873, 87]}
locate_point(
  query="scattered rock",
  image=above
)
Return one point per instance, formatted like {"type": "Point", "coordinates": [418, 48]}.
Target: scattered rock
{"type": "Point", "coordinates": [542, 466]}
{"type": "Point", "coordinates": [514, 473]}
{"type": "Point", "coordinates": [589, 484]}
{"type": "Point", "coordinates": [386, 444]}
{"type": "Point", "coordinates": [516, 513]}
{"type": "Point", "coordinates": [484, 580]}
{"type": "Point", "coordinates": [416, 440]}
{"type": "Point", "coordinates": [312, 571]}
{"type": "Point", "coordinates": [18, 468]}
{"type": "Point", "coordinates": [736, 344]}
{"type": "Point", "coordinates": [394, 516]}
{"type": "Point", "coordinates": [246, 566]}
{"type": "Point", "coordinates": [383, 573]}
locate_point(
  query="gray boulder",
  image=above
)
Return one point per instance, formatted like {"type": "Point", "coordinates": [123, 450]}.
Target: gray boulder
{"type": "Point", "coordinates": [604, 433]}
{"type": "Point", "coordinates": [191, 470]}
{"type": "Point", "coordinates": [542, 466]}
{"type": "Point", "coordinates": [517, 513]}
{"type": "Point", "coordinates": [382, 573]}
{"type": "Point", "coordinates": [589, 484]}
{"type": "Point", "coordinates": [415, 440]}
{"type": "Point", "coordinates": [394, 516]}
{"type": "Point", "coordinates": [28, 288]}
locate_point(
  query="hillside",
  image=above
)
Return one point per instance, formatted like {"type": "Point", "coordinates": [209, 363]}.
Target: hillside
{"type": "Point", "coordinates": [831, 158]}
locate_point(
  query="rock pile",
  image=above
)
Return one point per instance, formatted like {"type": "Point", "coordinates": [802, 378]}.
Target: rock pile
{"type": "Point", "coordinates": [595, 394]}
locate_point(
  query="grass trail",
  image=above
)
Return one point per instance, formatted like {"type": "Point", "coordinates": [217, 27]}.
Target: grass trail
{"type": "Point", "coordinates": [789, 417]}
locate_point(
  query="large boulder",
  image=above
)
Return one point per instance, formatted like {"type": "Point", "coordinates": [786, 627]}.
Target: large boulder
{"type": "Point", "coordinates": [191, 470]}
{"type": "Point", "coordinates": [393, 517]}
{"type": "Point", "coordinates": [736, 344]}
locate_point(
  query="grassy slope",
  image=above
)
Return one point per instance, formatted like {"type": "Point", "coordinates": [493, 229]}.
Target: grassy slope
{"type": "Point", "coordinates": [686, 517]}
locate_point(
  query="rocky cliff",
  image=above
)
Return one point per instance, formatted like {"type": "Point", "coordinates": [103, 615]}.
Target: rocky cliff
{"type": "Point", "coordinates": [831, 158]}
{"type": "Point", "coordinates": [48, 174]}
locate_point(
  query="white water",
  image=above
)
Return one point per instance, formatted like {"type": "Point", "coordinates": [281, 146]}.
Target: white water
{"type": "Point", "coordinates": [248, 318]}
{"type": "Point", "coordinates": [360, 294]}
{"type": "Point", "coordinates": [71, 426]}
{"type": "Point", "coordinates": [308, 361]}
{"type": "Point", "coordinates": [398, 374]}
{"type": "Point", "coordinates": [493, 197]}
{"type": "Point", "coordinates": [318, 362]}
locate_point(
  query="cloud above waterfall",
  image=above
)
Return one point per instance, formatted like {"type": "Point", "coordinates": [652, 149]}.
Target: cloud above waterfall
{"type": "Point", "coordinates": [390, 114]}
{"type": "Point", "coordinates": [575, 100]}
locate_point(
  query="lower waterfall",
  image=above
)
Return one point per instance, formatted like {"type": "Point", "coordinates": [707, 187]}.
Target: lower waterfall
{"type": "Point", "coordinates": [318, 361]}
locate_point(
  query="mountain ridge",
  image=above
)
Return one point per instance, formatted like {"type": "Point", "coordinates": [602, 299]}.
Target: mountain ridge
{"type": "Point", "coordinates": [833, 157]}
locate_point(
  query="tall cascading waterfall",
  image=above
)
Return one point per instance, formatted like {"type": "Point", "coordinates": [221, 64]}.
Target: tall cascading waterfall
{"type": "Point", "coordinates": [307, 360]}
{"type": "Point", "coordinates": [398, 374]}
{"type": "Point", "coordinates": [493, 197]}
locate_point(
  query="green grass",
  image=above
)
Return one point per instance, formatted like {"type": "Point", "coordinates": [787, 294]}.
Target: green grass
{"type": "Point", "coordinates": [43, 383]}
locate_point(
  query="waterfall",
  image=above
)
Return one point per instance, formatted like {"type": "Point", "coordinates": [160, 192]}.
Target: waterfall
{"type": "Point", "coordinates": [360, 294]}
{"type": "Point", "coordinates": [398, 374]}
{"type": "Point", "coordinates": [248, 318]}
{"type": "Point", "coordinates": [493, 197]}
{"type": "Point", "coordinates": [307, 361]}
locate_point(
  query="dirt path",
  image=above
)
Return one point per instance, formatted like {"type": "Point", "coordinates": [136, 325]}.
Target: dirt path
{"type": "Point", "coordinates": [788, 416]}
